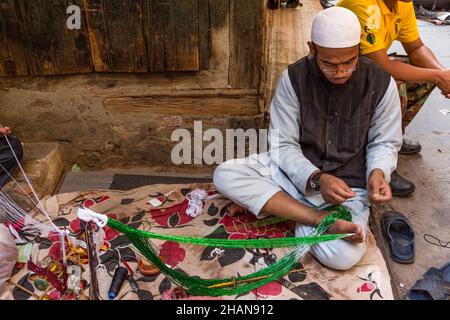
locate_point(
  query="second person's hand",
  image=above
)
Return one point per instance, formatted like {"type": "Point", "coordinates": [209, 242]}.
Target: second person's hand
{"type": "Point", "coordinates": [5, 130]}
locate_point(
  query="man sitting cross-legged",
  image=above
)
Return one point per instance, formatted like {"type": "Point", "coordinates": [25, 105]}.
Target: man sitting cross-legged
{"type": "Point", "coordinates": [335, 133]}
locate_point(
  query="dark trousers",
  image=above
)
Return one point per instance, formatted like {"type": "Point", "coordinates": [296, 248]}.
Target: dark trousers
{"type": "Point", "coordinates": [7, 158]}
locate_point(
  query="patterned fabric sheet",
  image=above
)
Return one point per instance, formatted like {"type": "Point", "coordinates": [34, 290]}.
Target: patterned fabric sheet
{"type": "Point", "coordinates": [368, 280]}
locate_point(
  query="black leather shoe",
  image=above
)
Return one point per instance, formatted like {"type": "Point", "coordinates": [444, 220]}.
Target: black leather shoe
{"type": "Point", "coordinates": [326, 4]}
{"type": "Point", "coordinates": [400, 186]}
{"type": "Point", "coordinates": [410, 147]}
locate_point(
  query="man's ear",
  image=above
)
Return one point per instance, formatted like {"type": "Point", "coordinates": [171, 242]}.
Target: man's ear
{"type": "Point", "coordinates": [312, 49]}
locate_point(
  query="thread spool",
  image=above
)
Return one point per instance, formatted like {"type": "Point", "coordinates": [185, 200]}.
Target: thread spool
{"type": "Point", "coordinates": [119, 277]}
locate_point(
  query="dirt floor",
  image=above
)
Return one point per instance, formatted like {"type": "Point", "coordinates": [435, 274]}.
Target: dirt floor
{"type": "Point", "coordinates": [428, 208]}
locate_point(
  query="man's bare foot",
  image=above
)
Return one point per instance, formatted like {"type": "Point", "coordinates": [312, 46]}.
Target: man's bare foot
{"type": "Point", "coordinates": [236, 209]}
{"type": "Point", "coordinates": [342, 226]}
{"type": "Point", "coordinates": [339, 227]}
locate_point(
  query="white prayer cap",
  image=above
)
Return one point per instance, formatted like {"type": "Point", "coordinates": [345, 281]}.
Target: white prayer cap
{"type": "Point", "coordinates": [336, 27]}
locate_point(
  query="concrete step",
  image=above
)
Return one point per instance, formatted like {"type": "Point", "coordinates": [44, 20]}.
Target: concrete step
{"type": "Point", "coordinates": [44, 165]}
{"type": "Point", "coordinates": [86, 180]}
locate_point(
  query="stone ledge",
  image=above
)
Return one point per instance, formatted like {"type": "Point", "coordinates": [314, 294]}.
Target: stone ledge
{"type": "Point", "coordinates": [44, 164]}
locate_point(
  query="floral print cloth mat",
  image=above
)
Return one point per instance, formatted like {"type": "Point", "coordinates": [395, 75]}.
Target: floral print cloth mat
{"type": "Point", "coordinates": [367, 280]}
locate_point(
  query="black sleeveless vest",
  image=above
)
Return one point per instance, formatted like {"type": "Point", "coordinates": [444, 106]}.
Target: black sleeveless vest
{"type": "Point", "coordinates": [335, 119]}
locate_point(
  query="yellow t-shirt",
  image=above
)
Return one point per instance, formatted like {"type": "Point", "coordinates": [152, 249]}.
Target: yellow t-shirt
{"type": "Point", "coordinates": [380, 26]}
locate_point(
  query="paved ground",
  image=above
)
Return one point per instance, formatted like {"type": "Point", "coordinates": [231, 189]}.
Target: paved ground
{"type": "Point", "coordinates": [429, 208]}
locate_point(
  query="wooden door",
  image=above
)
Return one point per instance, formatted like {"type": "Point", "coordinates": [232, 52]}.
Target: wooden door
{"type": "Point", "coordinates": [116, 35]}
{"type": "Point", "coordinates": [35, 40]}
{"type": "Point", "coordinates": [172, 33]}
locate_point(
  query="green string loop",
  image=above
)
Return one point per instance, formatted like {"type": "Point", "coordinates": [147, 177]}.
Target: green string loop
{"type": "Point", "coordinates": [242, 284]}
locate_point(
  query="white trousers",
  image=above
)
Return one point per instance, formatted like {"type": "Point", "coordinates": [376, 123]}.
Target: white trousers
{"type": "Point", "coordinates": [251, 182]}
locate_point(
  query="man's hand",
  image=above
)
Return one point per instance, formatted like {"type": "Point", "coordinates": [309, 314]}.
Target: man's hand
{"type": "Point", "coordinates": [424, 68]}
{"type": "Point", "coordinates": [5, 131]}
{"type": "Point", "coordinates": [341, 227]}
{"type": "Point", "coordinates": [379, 189]}
{"type": "Point", "coordinates": [334, 190]}
{"type": "Point", "coordinates": [443, 82]}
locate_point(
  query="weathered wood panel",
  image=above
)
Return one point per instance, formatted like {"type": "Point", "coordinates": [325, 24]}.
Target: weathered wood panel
{"type": "Point", "coordinates": [172, 32]}
{"type": "Point", "coordinates": [219, 23]}
{"type": "Point", "coordinates": [116, 35]}
{"type": "Point", "coordinates": [214, 102]}
{"type": "Point", "coordinates": [12, 53]}
{"type": "Point", "coordinates": [204, 33]}
{"type": "Point", "coordinates": [246, 42]}
{"type": "Point", "coordinates": [186, 26]}
{"type": "Point", "coordinates": [134, 36]}
{"type": "Point", "coordinates": [159, 34]}
{"type": "Point", "coordinates": [38, 40]}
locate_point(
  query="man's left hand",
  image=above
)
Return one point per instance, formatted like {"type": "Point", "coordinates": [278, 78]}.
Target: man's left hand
{"type": "Point", "coordinates": [379, 190]}
{"type": "Point", "coordinates": [5, 130]}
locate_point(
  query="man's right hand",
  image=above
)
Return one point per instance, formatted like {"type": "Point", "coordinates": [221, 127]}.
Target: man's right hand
{"type": "Point", "coordinates": [5, 130]}
{"type": "Point", "coordinates": [334, 190]}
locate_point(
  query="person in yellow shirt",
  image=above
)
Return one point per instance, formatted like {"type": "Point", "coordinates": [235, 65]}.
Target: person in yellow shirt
{"type": "Point", "coordinates": [382, 22]}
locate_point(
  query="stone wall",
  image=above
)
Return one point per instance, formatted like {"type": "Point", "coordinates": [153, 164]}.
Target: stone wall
{"type": "Point", "coordinates": [76, 111]}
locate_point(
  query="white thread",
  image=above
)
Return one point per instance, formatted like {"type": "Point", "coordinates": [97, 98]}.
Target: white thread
{"type": "Point", "coordinates": [18, 217]}
{"type": "Point", "coordinates": [16, 235]}
{"type": "Point", "coordinates": [88, 215]}
{"type": "Point", "coordinates": [217, 252]}
{"type": "Point", "coordinates": [19, 185]}
{"type": "Point", "coordinates": [38, 204]}
{"type": "Point", "coordinates": [196, 200]}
